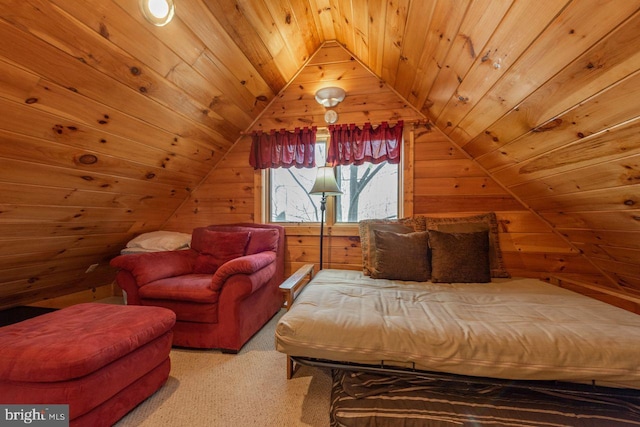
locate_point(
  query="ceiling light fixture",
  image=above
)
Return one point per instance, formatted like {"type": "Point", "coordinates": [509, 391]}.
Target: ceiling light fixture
{"type": "Point", "coordinates": [158, 12]}
{"type": "Point", "coordinates": [330, 96]}
{"type": "Point", "coordinates": [330, 116]}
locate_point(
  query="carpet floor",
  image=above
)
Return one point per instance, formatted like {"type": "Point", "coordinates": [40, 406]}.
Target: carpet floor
{"type": "Point", "coordinates": [208, 388]}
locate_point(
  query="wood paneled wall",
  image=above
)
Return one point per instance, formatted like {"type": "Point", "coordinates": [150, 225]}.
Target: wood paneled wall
{"type": "Point", "coordinates": [108, 123]}
{"type": "Point", "coordinates": [100, 139]}
{"type": "Point", "coordinates": [445, 182]}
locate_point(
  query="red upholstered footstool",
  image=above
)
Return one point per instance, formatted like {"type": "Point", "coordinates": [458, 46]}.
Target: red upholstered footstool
{"type": "Point", "coordinates": [100, 359]}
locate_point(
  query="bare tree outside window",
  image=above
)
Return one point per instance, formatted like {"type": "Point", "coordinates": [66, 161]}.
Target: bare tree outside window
{"type": "Point", "coordinates": [369, 191]}
{"type": "Point", "coordinates": [290, 198]}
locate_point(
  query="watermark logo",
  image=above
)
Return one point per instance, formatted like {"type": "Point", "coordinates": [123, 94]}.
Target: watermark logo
{"type": "Point", "coordinates": [34, 415]}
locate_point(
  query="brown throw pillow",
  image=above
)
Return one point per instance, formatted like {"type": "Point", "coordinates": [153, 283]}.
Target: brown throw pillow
{"type": "Point", "coordinates": [459, 257]}
{"type": "Point", "coordinates": [367, 241]}
{"type": "Point", "coordinates": [401, 256]}
{"type": "Point", "coordinates": [469, 224]}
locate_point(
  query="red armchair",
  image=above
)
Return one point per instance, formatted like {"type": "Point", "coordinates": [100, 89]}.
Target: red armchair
{"type": "Point", "coordinates": [223, 289]}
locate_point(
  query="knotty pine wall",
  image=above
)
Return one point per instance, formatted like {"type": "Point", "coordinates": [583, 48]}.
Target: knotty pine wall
{"type": "Point", "coordinates": [108, 123]}
{"type": "Point", "coordinates": [440, 181]}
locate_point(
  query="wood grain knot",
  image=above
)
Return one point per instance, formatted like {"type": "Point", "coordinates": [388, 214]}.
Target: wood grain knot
{"type": "Point", "coordinates": [88, 159]}
{"type": "Point", "coordinates": [548, 126]}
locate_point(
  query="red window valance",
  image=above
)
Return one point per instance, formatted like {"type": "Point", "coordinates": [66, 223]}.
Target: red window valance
{"type": "Point", "coordinates": [283, 149]}
{"type": "Point", "coordinates": [351, 145]}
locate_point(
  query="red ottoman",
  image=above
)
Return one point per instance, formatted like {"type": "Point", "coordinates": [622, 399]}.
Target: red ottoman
{"type": "Point", "coordinates": [100, 359]}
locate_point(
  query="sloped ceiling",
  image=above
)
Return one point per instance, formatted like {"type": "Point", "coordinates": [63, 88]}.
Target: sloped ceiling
{"type": "Point", "coordinates": [369, 98]}
{"type": "Point", "coordinates": [108, 122]}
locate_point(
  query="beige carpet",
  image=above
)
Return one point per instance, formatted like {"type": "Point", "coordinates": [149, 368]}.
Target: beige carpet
{"type": "Point", "coordinates": [208, 388]}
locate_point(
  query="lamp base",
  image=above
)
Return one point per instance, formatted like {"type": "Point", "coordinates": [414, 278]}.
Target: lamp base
{"type": "Point", "coordinates": [323, 207]}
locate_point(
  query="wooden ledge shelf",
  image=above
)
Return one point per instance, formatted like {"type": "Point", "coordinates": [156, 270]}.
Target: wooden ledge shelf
{"type": "Point", "coordinates": [615, 297]}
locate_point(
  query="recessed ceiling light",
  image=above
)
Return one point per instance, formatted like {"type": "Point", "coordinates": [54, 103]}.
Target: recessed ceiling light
{"type": "Point", "coordinates": [158, 12]}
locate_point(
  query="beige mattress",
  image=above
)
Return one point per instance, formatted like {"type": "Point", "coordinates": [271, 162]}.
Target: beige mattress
{"type": "Point", "coordinates": [516, 328]}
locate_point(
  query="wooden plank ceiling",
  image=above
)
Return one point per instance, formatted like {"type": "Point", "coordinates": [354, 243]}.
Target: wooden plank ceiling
{"type": "Point", "coordinates": [108, 123]}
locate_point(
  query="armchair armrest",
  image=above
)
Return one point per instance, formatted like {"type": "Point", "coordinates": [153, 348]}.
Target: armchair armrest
{"type": "Point", "coordinates": [147, 267]}
{"type": "Point", "coordinates": [248, 264]}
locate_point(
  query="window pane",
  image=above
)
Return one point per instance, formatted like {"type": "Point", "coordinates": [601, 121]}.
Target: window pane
{"type": "Point", "coordinates": [369, 191]}
{"type": "Point", "coordinates": [289, 192]}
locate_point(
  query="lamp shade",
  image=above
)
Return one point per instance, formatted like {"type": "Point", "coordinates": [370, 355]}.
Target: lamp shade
{"type": "Point", "coordinates": [325, 182]}
{"type": "Point", "coordinates": [330, 96]}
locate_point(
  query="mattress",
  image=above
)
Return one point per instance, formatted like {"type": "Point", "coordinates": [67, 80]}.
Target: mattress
{"type": "Point", "coordinates": [518, 328]}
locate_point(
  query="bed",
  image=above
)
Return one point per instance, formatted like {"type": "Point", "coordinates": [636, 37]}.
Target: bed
{"type": "Point", "coordinates": [434, 297]}
{"type": "Point", "coordinates": [510, 328]}
{"type": "Point", "coordinates": [434, 331]}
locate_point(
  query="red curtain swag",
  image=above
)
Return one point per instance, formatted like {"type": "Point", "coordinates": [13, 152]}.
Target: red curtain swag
{"type": "Point", "coordinates": [351, 145]}
{"type": "Point", "coordinates": [283, 149]}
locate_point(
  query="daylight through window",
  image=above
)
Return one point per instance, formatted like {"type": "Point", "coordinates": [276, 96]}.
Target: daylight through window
{"type": "Point", "coordinates": [369, 191]}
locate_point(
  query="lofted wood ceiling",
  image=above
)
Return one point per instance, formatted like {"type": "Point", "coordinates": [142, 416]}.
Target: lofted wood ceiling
{"type": "Point", "coordinates": [108, 123]}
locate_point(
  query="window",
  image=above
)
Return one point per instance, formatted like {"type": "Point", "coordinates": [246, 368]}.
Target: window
{"type": "Point", "coordinates": [289, 198]}
{"type": "Point", "coordinates": [369, 191]}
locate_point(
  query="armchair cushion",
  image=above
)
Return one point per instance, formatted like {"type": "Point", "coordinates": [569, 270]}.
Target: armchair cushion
{"type": "Point", "coordinates": [262, 239]}
{"type": "Point", "coordinates": [148, 267]}
{"type": "Point", "coordinates": [189, 287]}
{"type": "Point", "coordinates": [217, 247]}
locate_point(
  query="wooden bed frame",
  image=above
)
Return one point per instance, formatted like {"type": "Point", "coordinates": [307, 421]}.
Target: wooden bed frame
{"type": "Point", "coordinates": [576, 388]}
{"type": "Point", "coordinates": [291, 288]}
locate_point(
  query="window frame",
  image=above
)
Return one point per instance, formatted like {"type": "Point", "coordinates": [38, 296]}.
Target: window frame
{"type": "Point", "coordinates": [264, 183]}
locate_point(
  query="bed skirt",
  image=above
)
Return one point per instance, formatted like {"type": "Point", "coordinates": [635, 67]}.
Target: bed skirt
{"type": "Point", "coordinates": [361, 399]}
